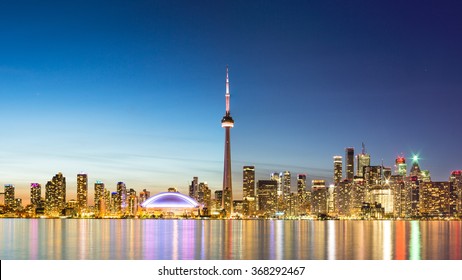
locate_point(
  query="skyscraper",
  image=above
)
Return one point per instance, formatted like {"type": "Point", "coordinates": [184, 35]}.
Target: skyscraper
{"type": "Point", "coordinates": [99, 195]}
{"type": "Point", "coordinates": [193, 188]}
{"type": "Point", "coordinates": [227, 123]}
{"type": "Point", "coordinates": [267, 197]}
{"type": "Point", "coordinates": [9, 196]}
{"type": "Point", "coordinates": [337, 170]}
{"type": "Point", "coordinates": [286, 185]}
{"type": "Point", "coordinates": [35, 194]}
{"type": "Point", "coordinates": [401, 167]}
{"type": "Point", "coordinates": [363, 160]}
{"type": "Point", "coordinates": [55, 195]}
{"type": "Point", "coordinates": [121, 198]}
{"type": "Point", "coordinates": [82, 190]}
{"type": "Point", "coordinates": [248, 181]}
{"type": "Point", "coordinates": [349, 163]}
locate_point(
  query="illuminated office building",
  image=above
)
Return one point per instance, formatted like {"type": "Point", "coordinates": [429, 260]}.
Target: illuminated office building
{"type": "Point", "coordinates": [302, 194]}
{"type": "Point", "coordinates": [343, 198]}
{"type": "Point", "coordinates": [455, 181]}
{"type": "Point", "coordinates": [144, 195]}
{"type": "Point", "coordinates": [82, 190]}
{"type": "Point", "coordinates": [132, 202]}
{"type": "Point", "coordinates": [36, 194]}
{"type": "Point", "coordinates": [349, 163]}
{"type": "Point", "coordinates": [267, 197]}
{"type": "Point", "coordinates": [319, 197]}
{"type": "Point", "coordinates": [121, 198]}
{"type": "Point", "coordinates": [194, 188]}
{"type": "Point", "coordinates": [99, 195]}
{"type": "Point", "coordinates": [382, 195]}
{"type": "Point", "coordinates": [435, 199]}
{"type": "Point", "coordinates": [401, 167]}
{"type": "Point", "coordinates": [55, 195]}
{"type": "Point", "coordinates": [401, 198]}
{"type": "Point", "coordinates": [285, 185]}
{"type": "Point", "coordinates": [9, 197]}
{"type": "Point", "coordinates": [362, 160]}
{"type": "Point", "coordinates": [248, 181]}
{"type": "Point", "coordinates": [204, 196]}
{"type": "Point", "coordinates": [337, 169]}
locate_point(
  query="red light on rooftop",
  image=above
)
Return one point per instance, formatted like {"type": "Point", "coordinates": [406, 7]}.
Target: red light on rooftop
{"type": "Point", "coordinates": [400, 160]}
{"type": "Point", "coordinates": [456, 172]}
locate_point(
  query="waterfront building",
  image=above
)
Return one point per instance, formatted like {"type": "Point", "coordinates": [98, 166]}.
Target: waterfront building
{"type": "Point", "coordinates": [99, 195]}
{"type": "Point", "coordinates": [55, 195]}
{"type": "Point", "coordinates": [455, 181]}
{"type": "Point", "coordinates": [302, 192]}
{"type": "Point", "coordinates": [9, 198]}
{"type": "Point", "coordinates": [82, 190]}
{"type": "Point", "coordinates": [285, 186]}
{"type": "Point", "coordinates": [204, 196]}
{"type": "Point", "coordinates": [401, 198]}
{"type": "Point", "coordinates": [249, 206]}
{"type": "Point", "coordinates": [267, 198]}
{"type": "Point", "coordinates": [413, 189]}
{"type": "Point", "coordinates": [382, 195]}
{"type": "Point", "coordinates": [435, 199]}
{"type": "Point", "coordinates": [121, 198]}
{"type": "Point", "coordinates": [227, 123]}
{"type": "Point", "coordinates": [248, 181]}
{"type": "Point", "coordinates": [349, 163]}
{"type": "Point", "coordinates": [319, 198]}
{"type": "Point", "coordinates": [343, 198]}
{"type": "Point", "coordinates": [337, 169]}
{"type": "Point", "coordinates": [36, 194]}
{"type": "Point", "coordinates": [132, 202]}
{"type": "Point", "coordinates": [145, 195]}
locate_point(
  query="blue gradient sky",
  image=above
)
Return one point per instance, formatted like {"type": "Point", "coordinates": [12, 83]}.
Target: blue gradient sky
{"type": "Point", "coordinates": [133, 91]}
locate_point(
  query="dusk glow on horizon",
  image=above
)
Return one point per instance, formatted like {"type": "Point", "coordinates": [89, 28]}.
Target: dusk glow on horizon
{"type": "Point", "coordinates": [134, 91]}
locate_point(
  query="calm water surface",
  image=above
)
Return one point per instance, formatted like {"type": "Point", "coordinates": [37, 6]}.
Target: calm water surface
{"type": "Point", "coordinates": [235, 239]}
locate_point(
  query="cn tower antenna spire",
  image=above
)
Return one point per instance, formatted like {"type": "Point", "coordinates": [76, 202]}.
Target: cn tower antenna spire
{"type": "Point", "coordinates": [227, 91]}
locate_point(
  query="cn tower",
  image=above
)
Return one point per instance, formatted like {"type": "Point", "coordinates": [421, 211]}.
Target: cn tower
{"type": "Point", "coordinates": [227, 122]}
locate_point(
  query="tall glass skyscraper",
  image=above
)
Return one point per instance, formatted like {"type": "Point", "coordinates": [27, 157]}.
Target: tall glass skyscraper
{"type": "Point", "coordinates": [349, 163]}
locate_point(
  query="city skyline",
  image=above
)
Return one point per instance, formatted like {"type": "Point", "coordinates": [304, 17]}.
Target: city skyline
{"type": "Point", "coordinates": [134, 92]}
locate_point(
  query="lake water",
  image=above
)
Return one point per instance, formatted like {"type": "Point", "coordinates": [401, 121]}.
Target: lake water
{"type": "Point", "coordinates": [128, 239]}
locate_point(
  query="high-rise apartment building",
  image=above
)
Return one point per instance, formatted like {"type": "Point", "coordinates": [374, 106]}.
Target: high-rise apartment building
{"type": "Point", "coordinates": [302, 197]}
{"type": "Point", "coordinates": [267, 197]}
{"type": "Point", "coordinates": [194, 188]}
{"type": "Point", "coordinates": [349, 163]}
{"type": "Point", "coordinates": [9, 197]}
{"type": "Point", "coordinates": [455, 181]}
{"type": "Point", "coordinates": [55, 195]}
{"type": "Point", "coordinates": [319, 196]}
{"type": "Point", "coordinates": [36, 194]}
{"type": "Point", "coordinates": [337, 170]}
{"type": "Point", "coordinates": [99, 195]}
{"type": "Point", "coordinates": [82, 191]}
{"type": "Point", "coordinates": [121, 198]}
{"type": "Point", "coordinates": [248, 181]}
{"type": "Point", "coordinates": [286, 185]}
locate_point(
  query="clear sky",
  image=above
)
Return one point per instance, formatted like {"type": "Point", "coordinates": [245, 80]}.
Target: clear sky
{"type": "Point", "coordinates": [133, 91]}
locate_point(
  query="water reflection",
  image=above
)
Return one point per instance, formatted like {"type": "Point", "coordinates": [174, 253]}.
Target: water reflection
{"type": "Point", "coordinates": [216, 239]}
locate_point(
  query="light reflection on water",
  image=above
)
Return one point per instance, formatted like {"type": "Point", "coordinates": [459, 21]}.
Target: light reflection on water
{"type": "Point", "coordinates": [234, 239]}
